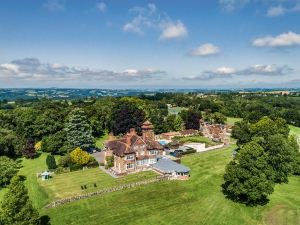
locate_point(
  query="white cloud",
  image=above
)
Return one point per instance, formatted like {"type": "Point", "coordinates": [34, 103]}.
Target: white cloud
{"type": "Point", "coordinates": [152, 18]}
{"type": "Point", "coordinates": [228, 72]}
{"type": "Point", "coordinates": [205, 50]}
{"type": "Point", "coordinates": [173, 30]}
{"type": "Point", "coordinates": [101, 6]}
{"type": "Point", "coordinates": [31, 69]}
{"type": "Point", "coordinates": [279, 10]}
{"type": "Point", "coordinates": [9, 67]}
{"type": "Point", "coordinates": [55, 5]}
{"type": "Point", "coordinates": [282, 40]}
{"type": "Point", "coordinates": [276, 11]}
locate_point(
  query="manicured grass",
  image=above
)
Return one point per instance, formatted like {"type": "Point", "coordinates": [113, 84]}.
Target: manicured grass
{"type": "Point", "coordinates": [197, 201]}
{"type": "Point", "coordinates": [69, 184]}
{"type": "Point", "coordinates": [175, 110]}
{"type": "Point", "coordinates": [232, 120]}
{"type": "Point", "coordinates": [294, 130]}
{"type": "Point", "coordinates": [99, 142]}
{"type": "Point", "coordinates": [196, 139]}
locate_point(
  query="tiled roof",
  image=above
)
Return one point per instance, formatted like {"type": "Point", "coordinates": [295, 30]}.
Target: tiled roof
{"type": "Point", "coordinates": [168, 166]}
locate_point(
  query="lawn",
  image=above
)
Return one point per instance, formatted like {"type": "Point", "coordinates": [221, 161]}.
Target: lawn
{"type": "Point", "coordinates": [294, 130]}
{"type": "Point", "coordinates": [232, 120]}
{"type": "Point", "coordinates": [68, 184]}
{"type": "Point", "coordinates": [175, 110]}
{"type": "Point", "coordinates": [197, 201]}
{"type": "Point", "coordinates": [99, 142]}
{"type": "Point", "coordinates": [196, 139]}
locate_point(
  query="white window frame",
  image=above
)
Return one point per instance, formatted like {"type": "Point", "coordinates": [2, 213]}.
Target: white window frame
{"type": "Point", "coordinates": [129, 157]}
{"type": "Point", "coordinates": [153, 152]}
{"type": "Point", "coordinates": [129, 166]}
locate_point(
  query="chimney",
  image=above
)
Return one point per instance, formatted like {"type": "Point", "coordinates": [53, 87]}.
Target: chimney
{"type": "Point", "coordinates": [147, 130]}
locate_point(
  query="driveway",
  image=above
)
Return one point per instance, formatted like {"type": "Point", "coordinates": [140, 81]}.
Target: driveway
{"type": "Point", "coordinates": [99, 156]}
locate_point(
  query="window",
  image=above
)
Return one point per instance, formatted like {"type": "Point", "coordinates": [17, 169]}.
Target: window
{"type": "Point", "coordinates": [152, 161]}
{"type": "Point", "coordinates": [129, 166]}
{"type": "Point", "coordinates": [130, 157]}
{"type": "Point", "coordinates": [143, 162]}
{"type": "Point", "coordinates": [153, 152]}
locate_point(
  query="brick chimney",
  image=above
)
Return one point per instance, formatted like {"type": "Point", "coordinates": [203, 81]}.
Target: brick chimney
{"type": "Point", "coordinates": [147, 130]}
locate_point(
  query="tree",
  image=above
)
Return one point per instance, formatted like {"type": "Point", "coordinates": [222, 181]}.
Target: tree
{"type": "Point", "coordinates": [126, 115]}
{"type": "Point", "coordinates": [294, 144]}
{"type": "Point", "coordinates": [80, 157]}
{"type": "Point", "coordinates": [280, 157]}
{"type": "Point", "coordinates": [10, 143]}
{"type": "Point", "coordinates": [8, 168]}
{"type": "Point", "coordinates": [178, 124]}
{"type": "Point", "coordinates": [79, 133]}
{"type": "Point", "coordinates": [241, 132]}
{"type": "Point", "coordinates": [54, 144]}
{"type": "Point", "coordinates": [16, 206]}
{"type": "Point", "coordinates": [29, 149]}
{"type": "Point", "coordinates": [216, 117]}
{"type": "Point", "coordinates": [191, 118]}
{"type": "Point", "coordinates": [249, 178]}
{"type": "Point", "coordinates": [51, 163]}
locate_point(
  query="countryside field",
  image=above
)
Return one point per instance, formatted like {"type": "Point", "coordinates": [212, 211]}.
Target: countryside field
{"type": "Point", "coordinates": [197, 201]}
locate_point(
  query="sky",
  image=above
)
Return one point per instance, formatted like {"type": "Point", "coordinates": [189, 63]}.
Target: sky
{"type": "Point", "coordinates": [150, 44]}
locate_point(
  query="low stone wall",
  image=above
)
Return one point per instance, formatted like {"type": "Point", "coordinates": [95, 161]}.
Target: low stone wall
{"type": "Point", "coordinates": [104, 191]}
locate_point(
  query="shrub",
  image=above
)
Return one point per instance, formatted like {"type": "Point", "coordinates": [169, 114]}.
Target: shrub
{"type": "Point", "coordinates": [51, 163]}
{"type": "Point", "coordinates": [80, 157]}
{"type": "Point", "coordinates": [8, 168]}
{"type": "Point", "coordinates": [65, 161]}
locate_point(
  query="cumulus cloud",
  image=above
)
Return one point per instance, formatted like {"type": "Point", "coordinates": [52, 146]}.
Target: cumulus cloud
{"type": "Point", "coordinates": [101, 6]}
{"type": "Point", "coordinates": [150, 17]}
{"type": "Point", "coordinates": [279, 10]}
{"type": "Point", "coordinates": [55, 5]}
{"type": "Point", "coordinates": [33, 70]}
{"type": "Point", "coordinates": [205, 50]}
{"type": "Point", "coordinates": [173, 30]}
{"type": "Point", "coordinates": [282, 40]}
{"type": "Point", "coordinates": [228, 72]}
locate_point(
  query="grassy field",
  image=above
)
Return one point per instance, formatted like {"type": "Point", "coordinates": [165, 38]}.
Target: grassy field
{"type": "Point", "coordinates": [175, 110]}
{"type": "Point", "coordinates": [294, 130]}
{"type": "Point", "coordinates": [197, 201]}
{"type": "Point", "coordinates": [99, 142]}
{"type": "Point", "coordinates": [197, 138]}
{"type": "Point", "coordinates": [232, 120]}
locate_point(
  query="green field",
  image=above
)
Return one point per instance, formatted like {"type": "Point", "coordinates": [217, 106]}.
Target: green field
{"type": "Point", "coordinates": [99, 142]}
{"type": "Point", "coordinates": [294, 130]}
{"type": "Point", "coordinates": [232, 120]}
{"type": "Point", "coordinates": [197, 201]}
{"type": "Point", "coordinates": [175, 110]}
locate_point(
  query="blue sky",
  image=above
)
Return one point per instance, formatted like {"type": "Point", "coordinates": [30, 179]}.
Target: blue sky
{"type": "Point", "coordinates": [150, 44]}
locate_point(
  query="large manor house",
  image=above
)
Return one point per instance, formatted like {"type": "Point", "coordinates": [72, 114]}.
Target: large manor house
{"type": "Point", "coordinates": [133, 152]}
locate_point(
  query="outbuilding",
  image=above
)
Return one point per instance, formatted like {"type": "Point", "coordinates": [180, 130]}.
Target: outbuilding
{"type": "Point", "coordinates": [174, 170]}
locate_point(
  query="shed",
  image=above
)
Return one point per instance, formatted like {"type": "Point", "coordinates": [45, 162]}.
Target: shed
{"type": "Point", "coordinates": [45, 175]}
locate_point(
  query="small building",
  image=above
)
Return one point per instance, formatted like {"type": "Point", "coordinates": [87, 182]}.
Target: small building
{"type": "Point", "coordinates": [174, 170]}
{"type": "Point", "coordinates": [46, 175]}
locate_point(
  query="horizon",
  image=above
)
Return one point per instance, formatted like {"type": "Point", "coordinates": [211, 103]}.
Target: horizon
{"type": "Point", "coordinates": [221, 44]}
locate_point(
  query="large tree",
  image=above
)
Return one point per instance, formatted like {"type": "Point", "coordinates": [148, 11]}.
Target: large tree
{"type": "Point", "coordinates": [8, 168]}
{"type": "Point", "coordinates": [125, 115]}
{"type": "Point", "coordinates": [10, 143]}
{"type": "Point", "coordinates": [29, 149]}
{"type": "Point", "coordinates": [191, 118]}
{"type": "Point", "coordinates": [79, 132]}
{"type": "Point", "coordinates": [249, 177]}
{"type": "Point", "coordinates": [16, 208]}
{"type": "Point", "coordinates": [54, 144]}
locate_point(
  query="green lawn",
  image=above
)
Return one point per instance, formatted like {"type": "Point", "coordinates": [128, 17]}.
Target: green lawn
{"type": "Point", "coordinates": [197, 201]}
{"type": "Point", "coordinates": [232, 120]}
{"type": "Point", "coordinates": [69, 184]}
{"type": "Point", "coordinates": [175, 110]}
{"type": "Point", "coordinates": [294, 130]}
{"type": "Point", "coordinates": [99, 142]}
{"type": "Point", "coordinates": [196, 139]}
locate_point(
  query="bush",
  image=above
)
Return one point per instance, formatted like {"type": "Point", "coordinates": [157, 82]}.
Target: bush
{"type": "Point", "coordinates": [8, 168]}
{"type": "Point", "coordinates": [65, 161]}
{"type": "Point", "coordinates": [51, 163]}
{"type": "Point", "coordinates": [80, 157]}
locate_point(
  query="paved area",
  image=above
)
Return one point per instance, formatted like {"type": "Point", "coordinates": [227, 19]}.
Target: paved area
{"type": "Point", "coordinates": [99, 156]}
